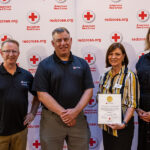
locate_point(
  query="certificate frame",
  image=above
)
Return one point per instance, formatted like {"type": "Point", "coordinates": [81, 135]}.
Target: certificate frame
{"type": "Point", "coordinates": [109, 109]}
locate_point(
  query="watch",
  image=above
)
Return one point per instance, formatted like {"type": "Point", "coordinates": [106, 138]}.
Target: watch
{"type": "Point", "coordinates": [125, 123]}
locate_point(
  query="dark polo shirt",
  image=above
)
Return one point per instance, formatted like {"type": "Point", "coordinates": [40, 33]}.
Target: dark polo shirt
{"type": "Point", "coordinates": [65, 82]}
{"type": "Point", "coordinates": [13, 99]}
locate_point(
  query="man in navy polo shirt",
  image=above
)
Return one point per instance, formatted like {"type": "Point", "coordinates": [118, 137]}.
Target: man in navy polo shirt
{"type": "Point", "coordinates": [64, 85]}
{"type": "Point", "coordinates": [15, 83]}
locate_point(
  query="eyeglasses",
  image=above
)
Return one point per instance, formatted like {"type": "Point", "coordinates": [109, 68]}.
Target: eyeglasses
{"type": "Point", "coordinates": [10, 51]}
{"type": "Point", "coordinates": [60, 40]}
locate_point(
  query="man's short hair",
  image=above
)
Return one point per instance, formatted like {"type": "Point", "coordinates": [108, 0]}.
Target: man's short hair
{"type": "Point", "coordinates": [10, 41]}
{"type": "Point", "coordinates": [60, 30]}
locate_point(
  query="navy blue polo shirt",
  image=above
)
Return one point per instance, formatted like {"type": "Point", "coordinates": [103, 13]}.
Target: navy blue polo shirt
{"type": "Point", "coordinates": [14, 99]}
{"type": "Point", "coordinates": [143, 73]}
{"type": "Point", "coordinates": [65, 82]}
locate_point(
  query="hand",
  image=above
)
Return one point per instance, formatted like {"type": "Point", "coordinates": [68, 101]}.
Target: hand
{"type": "Point", "coordinates": [28, 119]}
{"type": "Point", "coordinates": [72, 123]}
{"type": "Point", "coordinates": [68, 115]}
{"type": "Point", "coordinates": [140, 112]}
{"type": "Point", "coordinates": [146, 117]}
{"type": "Point", "coordinates": [116, 126]}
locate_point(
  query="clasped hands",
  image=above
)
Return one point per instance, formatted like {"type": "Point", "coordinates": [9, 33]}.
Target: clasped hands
{"type": "Point", "coordinates": [68, 116]}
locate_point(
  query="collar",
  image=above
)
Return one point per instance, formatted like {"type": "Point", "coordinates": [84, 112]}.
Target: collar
{"type": "Point", "coordinates": [4, 71]}
{"type": "Point", "coordinates": [58, 60]}
{"type": "Point", "coordinates": [148, 55]}
{"type": "Point", "coordinates": [123, 69]}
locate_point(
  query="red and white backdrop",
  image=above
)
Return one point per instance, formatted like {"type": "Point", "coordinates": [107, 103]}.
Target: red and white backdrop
{"type": "Point", "coordinates": [93, 24]}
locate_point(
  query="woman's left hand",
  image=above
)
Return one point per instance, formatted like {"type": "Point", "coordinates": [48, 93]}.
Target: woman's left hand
{"type": "Point", "coordinates": [116, 126]}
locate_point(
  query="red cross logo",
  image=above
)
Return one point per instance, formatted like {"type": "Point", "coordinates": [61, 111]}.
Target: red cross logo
{"type": "Point", "coordinates": [89, 58]}
{"type": "Point", "coordinates": [36, 144]}
{"type": "Point", "coordinates": [88, 16]}
{"type": "Point", "coordinates": [34, 59]}
{"type": "Point", "coordinates": [92, 142]}
{"type": "Point", "coordinates": [115, 37]}
{"type": "Point", "coordinates": [4, 38]}
{"type": "Point", "coordinates": [33, 17]}
{"type": "Point", "coordinates": [143, 15]}
{"type": "Point", "coordinates": [91, 101]}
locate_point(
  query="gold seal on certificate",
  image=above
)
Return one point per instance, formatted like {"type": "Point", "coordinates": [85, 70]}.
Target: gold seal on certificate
{"type": "Point", "coordinates": [109, 108]}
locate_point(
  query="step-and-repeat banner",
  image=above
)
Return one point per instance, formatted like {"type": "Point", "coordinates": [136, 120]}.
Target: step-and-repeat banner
{"type": "Point", "coordinates": [93, 24]}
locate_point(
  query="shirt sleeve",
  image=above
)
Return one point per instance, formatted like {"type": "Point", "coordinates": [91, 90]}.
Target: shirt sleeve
{"type": "Point", "coordinates": [30, 85]}
{"type": "Point", "coordinates": [40, 82]}
{"type": "Point", "coordinates": [133, 91]}
{"type": "Point", "coordinates": [88, 81]}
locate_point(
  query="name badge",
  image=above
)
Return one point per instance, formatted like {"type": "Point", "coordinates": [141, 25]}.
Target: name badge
{"type": "Point", "coordinates": [118, 86]}
{"type": "Point", "coordinates": [106, 86]}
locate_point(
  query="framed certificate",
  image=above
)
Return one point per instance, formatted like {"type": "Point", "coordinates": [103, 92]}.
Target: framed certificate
{"type": "Point", "coordinates": [109, 108]}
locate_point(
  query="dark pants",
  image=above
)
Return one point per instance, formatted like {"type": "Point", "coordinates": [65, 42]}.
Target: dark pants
{"type": "Point", "coordinates": [144, 135]}
{"type": "Point", "coordinates": [123, 141]}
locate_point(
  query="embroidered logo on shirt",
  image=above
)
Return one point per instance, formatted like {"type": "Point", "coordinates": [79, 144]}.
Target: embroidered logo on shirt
{"type": "Point", "coordinates": [76, 67]}
{"type": "Point", "coordinates": [24, 83]}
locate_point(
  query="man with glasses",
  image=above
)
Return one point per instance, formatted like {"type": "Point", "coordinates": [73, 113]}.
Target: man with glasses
{"type": "Point", "coordinates": [64, 86]}
{"type": "Point", "coordinates": [15, 83]}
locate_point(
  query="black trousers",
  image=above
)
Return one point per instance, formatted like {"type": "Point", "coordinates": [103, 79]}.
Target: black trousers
{"type": "Point", "coordinates": [123, 141]}
{"type": "Point", "coordinates": [144, 135]}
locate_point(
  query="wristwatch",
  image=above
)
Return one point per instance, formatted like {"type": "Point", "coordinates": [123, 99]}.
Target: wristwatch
{"type": "Point", "coordinates": [125, 123]}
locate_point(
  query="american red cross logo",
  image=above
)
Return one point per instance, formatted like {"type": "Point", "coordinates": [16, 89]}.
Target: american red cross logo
{"type": "Point", "coordinates": [34, 59]}
{"type": "Point", "coordinates": [36, 144]}
{"type": "Point", "coordinates": [92, 142]}
{"type": "Point", "coordinates": [4, 38]}
{"type": "Point", "coordinates": [88, 16]}
{"type": "Point", "coordinates": [91, 101]}
{"type": "Point", "coordinates": [142, 15]}
{"type": "Point", "coordinates": [115, 37]}
{"type": "Point", "coordinates": [89, 58]}
{"type": "Point", "coordinates": [33, 16]}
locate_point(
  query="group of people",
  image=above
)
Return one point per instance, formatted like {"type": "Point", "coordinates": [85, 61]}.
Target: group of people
{"type": "Point", "coordinates": [63, 84]}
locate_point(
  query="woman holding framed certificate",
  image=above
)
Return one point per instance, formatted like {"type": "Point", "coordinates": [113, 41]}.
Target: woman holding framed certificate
{"type": "Point", "coordinates": [143, 73]}
{"type": "Point", "coordinates": [119, 80]}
